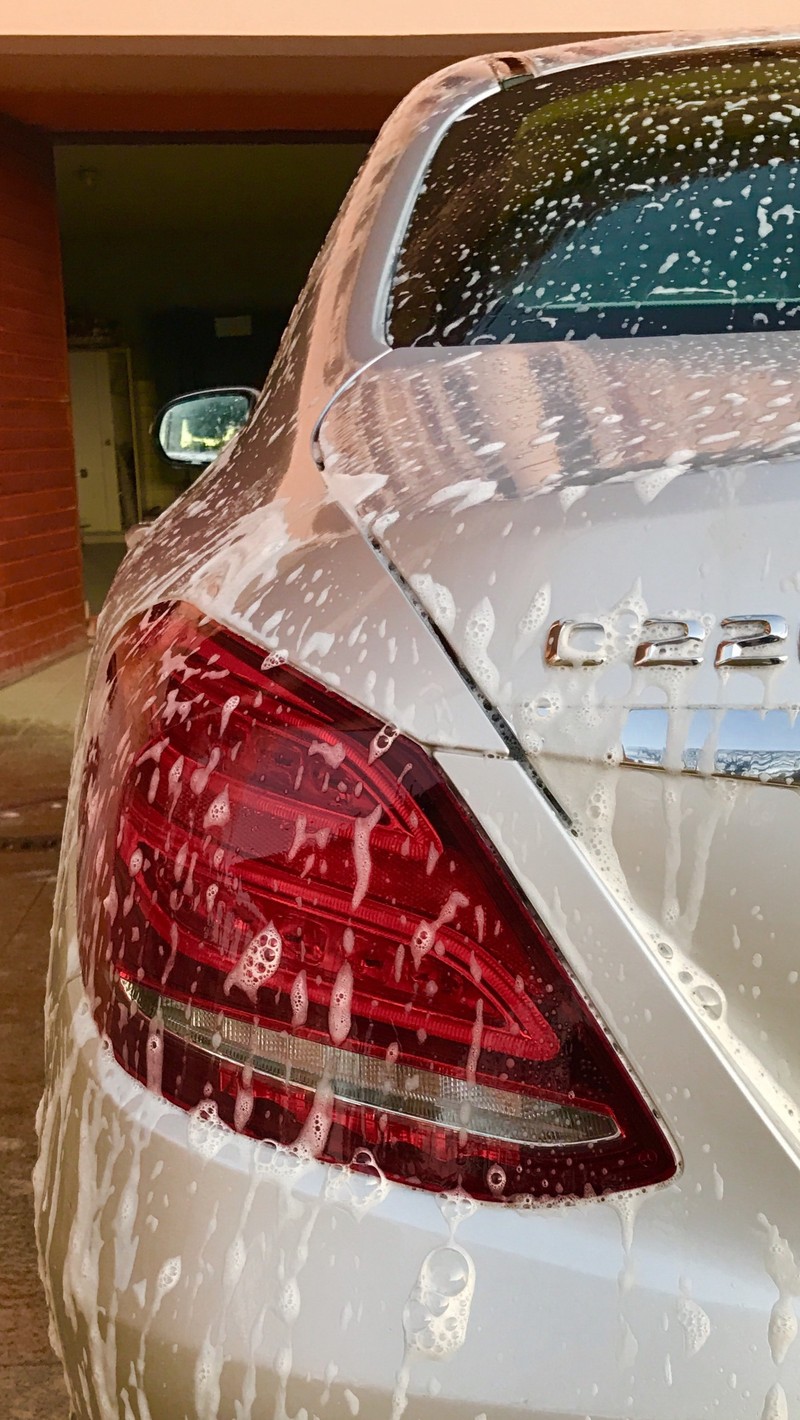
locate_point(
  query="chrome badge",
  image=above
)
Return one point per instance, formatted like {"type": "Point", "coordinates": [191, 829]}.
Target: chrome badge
{"type": "Point", "coordinates": [753, 639]}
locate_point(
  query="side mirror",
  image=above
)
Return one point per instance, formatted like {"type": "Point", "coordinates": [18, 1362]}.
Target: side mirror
{"type": "Point", "coordinates": [194, 428]}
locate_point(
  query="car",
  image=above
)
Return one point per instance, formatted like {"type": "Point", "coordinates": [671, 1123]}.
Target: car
{"type": "Point", "coordinates": [422, 1023]}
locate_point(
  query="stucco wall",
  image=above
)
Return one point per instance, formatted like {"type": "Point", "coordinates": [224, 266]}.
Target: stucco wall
{"type": "Point", "coordinates": [365, 17]}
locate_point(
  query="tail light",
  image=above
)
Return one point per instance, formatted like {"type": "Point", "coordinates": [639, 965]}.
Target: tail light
{"type": "Point", "coordinates": [289, 922]}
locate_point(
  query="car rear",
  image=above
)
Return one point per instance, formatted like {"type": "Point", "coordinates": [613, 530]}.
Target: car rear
{"type": "Point", "coordinates": [371, 1088]}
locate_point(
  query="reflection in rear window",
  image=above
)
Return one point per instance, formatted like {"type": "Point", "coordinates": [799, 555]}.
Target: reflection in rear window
{"type": "Point", "coordinates": [646, 197]}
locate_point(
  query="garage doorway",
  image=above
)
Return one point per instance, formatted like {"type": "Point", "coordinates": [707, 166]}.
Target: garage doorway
{"type": "Point", "coordinates": [182, 262]}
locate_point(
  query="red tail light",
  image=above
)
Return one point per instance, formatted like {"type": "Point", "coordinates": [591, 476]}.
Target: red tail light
{"type": "Point", "coordinates": [289, 919]}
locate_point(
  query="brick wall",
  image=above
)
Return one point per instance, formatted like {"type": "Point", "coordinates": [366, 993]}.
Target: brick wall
{"type": "Point", "coordinates": [41, 592]}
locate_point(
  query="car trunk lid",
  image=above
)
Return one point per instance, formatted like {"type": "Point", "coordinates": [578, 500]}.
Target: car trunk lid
{"type": "Point", "coordinates": [611, 483]}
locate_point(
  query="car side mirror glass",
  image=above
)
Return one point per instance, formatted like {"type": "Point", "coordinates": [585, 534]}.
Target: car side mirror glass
{"type": "Point", "coordinates": [194, 429]}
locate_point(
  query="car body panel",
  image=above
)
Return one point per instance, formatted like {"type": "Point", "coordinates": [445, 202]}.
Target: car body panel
{"type": "Point", "coordinates": [189, 1274]}
{"type": "Point", "coordinates": [676, 1294]}
{"type": "Point", "coordinates": [589, 481]}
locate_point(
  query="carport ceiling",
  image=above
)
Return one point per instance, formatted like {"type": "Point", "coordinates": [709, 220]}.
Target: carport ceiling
{"type": "Point", "coordinates": [226, 84]}
{"type": "Point", "coordinates": [169, 187]}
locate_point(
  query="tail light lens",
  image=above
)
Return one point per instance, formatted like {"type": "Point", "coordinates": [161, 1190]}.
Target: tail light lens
{"type": "Point", "coordinates": [290, 922]}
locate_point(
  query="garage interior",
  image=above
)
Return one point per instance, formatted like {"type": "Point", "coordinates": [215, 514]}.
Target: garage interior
{"type": "Point", "coordinates": [181, 264]}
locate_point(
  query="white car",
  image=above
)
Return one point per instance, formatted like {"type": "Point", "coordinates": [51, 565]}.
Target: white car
{"type": "Point", "coordinates": [424, 1008]}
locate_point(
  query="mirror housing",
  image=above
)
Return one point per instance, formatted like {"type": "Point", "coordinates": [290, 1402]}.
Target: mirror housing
{"type": "Point", "coordinates": [192, 430]}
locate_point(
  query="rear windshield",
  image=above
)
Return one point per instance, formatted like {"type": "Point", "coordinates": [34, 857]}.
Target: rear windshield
{"type": "Point", "coordinates": [647, 197]}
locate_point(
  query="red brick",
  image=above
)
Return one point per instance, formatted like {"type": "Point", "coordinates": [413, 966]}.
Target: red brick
{"type": "Point", "coordinates": [35, 613]}
{"type": "Point", "coordinates": [61, 580]}
{"type": "Point", "coordinates": [48, 646]}
{"type": "Point", "coordinates": [41, 588]}
{"type": "Point", "coordinates": [34, 524]}
{"type": "Point", "coordinates": [36, 565]}
{"type": "Point", "coordinates": [17, 343]}
{"type": "Point", "coordinates": [48, 543]}
{"type": "Point", "coordinates": [36, 460]}
{"type": "Point", "coordinates": [61, 621]}
{"type": "Point", "coordinates": [37, 500]}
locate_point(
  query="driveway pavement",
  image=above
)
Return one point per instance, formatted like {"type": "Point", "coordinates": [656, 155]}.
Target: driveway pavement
{"type": "Point", "coordinates": [36, 720]}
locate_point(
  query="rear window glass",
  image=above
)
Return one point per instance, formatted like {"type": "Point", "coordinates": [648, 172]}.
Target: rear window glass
{"type": "Point", "coordinates": [651, 196]}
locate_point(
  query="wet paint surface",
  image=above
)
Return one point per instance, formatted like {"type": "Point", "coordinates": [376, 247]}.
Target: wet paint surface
{"type": "Point", "coordinates": [191, 1269]}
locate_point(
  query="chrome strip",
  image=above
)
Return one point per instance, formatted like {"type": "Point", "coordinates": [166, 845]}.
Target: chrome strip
{"type": "Point", "coordinates": [757, 745]}
{"type": "Point", "coordinates": [392, 1088]}
{"type": "Point", "coordinates": [583, 54]}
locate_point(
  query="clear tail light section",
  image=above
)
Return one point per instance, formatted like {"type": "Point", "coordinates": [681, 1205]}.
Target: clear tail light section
{"type": "Point", "coordinates": [291, 923]}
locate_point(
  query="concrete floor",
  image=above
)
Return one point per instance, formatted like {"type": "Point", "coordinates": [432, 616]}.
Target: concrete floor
{"type": "Point", "coordinates": [37, 716]}
{"type": "Point", "coordinates": [100, 563]}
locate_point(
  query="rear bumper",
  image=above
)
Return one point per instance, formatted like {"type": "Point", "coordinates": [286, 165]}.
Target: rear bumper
{"type": "Point", "coordinates": [232, 1282]}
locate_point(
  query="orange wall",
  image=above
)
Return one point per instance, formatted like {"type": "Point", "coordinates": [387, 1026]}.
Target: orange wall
{"type": "Point", "coordinates": [366, 17]}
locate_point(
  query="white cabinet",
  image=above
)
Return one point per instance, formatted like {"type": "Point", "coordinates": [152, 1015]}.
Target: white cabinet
{"type": "Point", "coordinates": [102, 427]}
